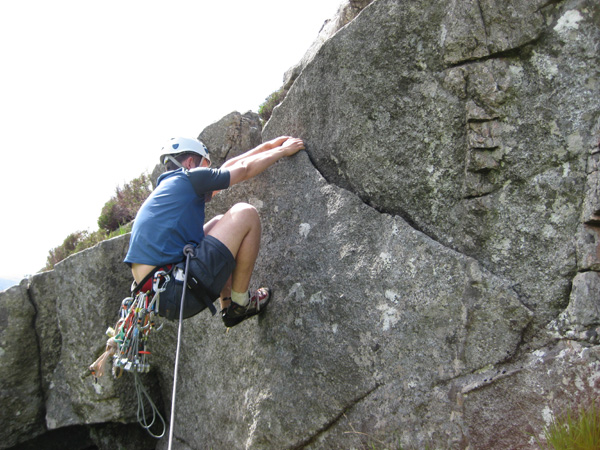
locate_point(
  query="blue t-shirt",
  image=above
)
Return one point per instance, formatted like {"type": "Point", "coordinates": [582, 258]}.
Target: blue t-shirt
{"type": "Point", "coordinates": [173, 215]}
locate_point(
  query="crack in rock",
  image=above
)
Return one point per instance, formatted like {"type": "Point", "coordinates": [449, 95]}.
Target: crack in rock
{"type": "Point", "coordinates": [311, 439]}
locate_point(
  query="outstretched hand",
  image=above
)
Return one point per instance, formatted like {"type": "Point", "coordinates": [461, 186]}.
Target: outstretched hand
{"type": "Point", "coordinates": [276, 142]}
{"type": "Point", "coordinates": [292, 146]}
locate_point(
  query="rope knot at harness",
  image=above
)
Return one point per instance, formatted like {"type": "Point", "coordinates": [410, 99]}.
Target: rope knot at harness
{"type": "Point", "coordinates": [189, 250]}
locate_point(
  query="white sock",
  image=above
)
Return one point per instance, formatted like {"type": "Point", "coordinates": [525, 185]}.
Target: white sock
{"type": "Point", "coordinates": [240, 298]}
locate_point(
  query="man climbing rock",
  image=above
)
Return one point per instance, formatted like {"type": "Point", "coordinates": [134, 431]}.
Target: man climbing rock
{"type": "Point", "coordinates": [224, 249]}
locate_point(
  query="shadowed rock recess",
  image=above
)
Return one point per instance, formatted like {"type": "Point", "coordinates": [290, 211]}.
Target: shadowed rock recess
{"type": "Point", "coordinates": [433, 253]}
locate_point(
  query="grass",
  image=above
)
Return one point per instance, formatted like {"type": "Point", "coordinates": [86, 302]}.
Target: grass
{"type": "Point", "coordinates": [576, 430]}
{"type": "Point", "coordinates": [579, 430]}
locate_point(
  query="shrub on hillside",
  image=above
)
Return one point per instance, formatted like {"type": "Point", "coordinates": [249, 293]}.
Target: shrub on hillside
{"type": "Point", "coordinates": [115, 219]}
{"type": "Point", "coordinates": [65, 249]}
{"type": "Point", "coordinates": [79, 241]}
{"type": "Point", "coordinates": [123, 207]}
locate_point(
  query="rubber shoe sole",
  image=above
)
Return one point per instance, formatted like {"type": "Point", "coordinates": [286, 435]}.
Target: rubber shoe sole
{"type": "Point", "coordinates": [235, 314]}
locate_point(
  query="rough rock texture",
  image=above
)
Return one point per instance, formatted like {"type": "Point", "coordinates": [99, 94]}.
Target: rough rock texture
{"type": "Point", "coordinates": [232, 135]}
{"type": "Point", "coordinates": [51, 328]}
{"type": "Point", "coordinates": [21, 397]}
{"type": "Point", "coordinates": [487, 156]}
{"type": "Point", "coordinates": [346, 12]}
{"type": "Point", "coordinates": [478, 125]}
{"type": "Point", "coordinates": [434, 254]}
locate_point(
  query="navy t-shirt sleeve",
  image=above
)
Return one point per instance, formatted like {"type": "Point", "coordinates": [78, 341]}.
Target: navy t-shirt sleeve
{"type": "Point", "coordinates": [206, 180]}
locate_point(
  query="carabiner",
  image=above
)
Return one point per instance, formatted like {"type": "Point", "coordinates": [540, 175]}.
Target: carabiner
{"type": "Point", "coordinates": [160, 276]}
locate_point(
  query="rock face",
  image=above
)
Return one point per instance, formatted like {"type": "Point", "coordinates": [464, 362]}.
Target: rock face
{"type": "Point", "coordinates": [232, 135]}
{"type": "Point", "coordinates": [21, 397]}
{"type": "Point", "coordinates": [346, 12]}
{"type": "Point", "coordinates": [50, 327]}
{"type": "Point", "coordinates": [433, 253]}
{"type": "Point", "coordinates": [476, 133]}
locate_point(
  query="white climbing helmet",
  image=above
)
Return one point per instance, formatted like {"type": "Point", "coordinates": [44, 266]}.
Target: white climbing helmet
{"type": "Point", "coordinates": [179, 145]}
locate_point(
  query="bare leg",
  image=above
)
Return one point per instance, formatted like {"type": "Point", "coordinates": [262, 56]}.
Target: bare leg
{"type": "Point", "coordinates": [211, 223]}
{"type": "Point", "coordinates": [239, 230]}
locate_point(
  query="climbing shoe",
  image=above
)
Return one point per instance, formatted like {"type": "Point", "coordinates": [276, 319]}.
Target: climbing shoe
{"type": "Point", "coordinates": [234, 313]}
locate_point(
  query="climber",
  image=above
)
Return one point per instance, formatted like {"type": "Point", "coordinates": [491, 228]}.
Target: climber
{"type": "Point", "coordinates": [225, 248]}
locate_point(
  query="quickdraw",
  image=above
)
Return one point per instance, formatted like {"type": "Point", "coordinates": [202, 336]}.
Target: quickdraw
{"type": "Point", "coordinates": [137, 320]}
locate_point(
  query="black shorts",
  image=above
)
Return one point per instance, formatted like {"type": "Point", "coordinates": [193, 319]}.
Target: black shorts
{"type": "Point", "coordinates": [210, 268]}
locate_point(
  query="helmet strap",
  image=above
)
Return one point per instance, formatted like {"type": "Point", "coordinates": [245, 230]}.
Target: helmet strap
{"type": "Point", "coordinates": [174, 161]}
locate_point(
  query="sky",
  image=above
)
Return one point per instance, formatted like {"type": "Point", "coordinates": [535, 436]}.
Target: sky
{"type": "Point", "coordinates": [92, 90]}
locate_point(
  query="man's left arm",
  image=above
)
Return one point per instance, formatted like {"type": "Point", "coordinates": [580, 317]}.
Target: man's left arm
{"type": "Point", "coordinates": [250, 166]}
{"type": "Point", "coordinates": [265, 146]}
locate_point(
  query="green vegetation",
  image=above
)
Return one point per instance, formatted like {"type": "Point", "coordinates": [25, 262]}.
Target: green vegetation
{"type": "Point", "coordinates": [266, 109]}
{"type": "Point", "coordinates": [123, 207]}
{"type": "Point", "coordinates": [578, 430]}
{"type": "Point", "coordinates": [115, 220]}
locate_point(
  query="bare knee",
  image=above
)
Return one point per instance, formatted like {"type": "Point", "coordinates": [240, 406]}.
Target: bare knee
{"type": "Point", "coordinates": [244, 207]}
{"type": "Point", "coordinates": [238, 228]}
{"type": "Point", "coordinates": [245, 210]}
